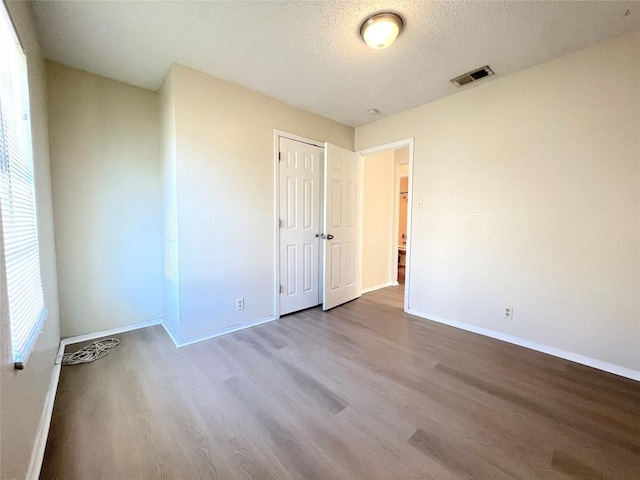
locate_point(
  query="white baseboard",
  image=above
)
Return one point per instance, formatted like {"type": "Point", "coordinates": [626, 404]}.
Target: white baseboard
{"type": "Point", "coordinates": [173, 338]}
{"type": "Point", "coordinates": [37, 454]}
{"type": "Point", "coordinates": [556, 352]}
{"type": "Point", "coordinates": [135, 326]}
{"type": "Point", "coordinates": [202, 338]}
{"type": "Point", "coordinates": [110, 331]}
{"type": "Point", "coordinates": [378, 287]}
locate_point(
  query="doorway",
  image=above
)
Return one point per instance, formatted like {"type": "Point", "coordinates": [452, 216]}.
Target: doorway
{"type": "Point", "coordinates": [387, 218]}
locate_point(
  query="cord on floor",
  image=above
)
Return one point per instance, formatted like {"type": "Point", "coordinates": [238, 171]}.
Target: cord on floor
{"type": "Point", "coordinates": [91, 352]}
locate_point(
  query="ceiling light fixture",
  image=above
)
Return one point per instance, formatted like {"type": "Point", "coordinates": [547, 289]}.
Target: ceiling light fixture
{"type": "Point", "coordinates": [381, 29]}
{"type": "Point", "coordinates": [373, 111]}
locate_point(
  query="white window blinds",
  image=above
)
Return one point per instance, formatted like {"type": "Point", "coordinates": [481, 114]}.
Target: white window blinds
{"type": "Point", "coordinates": [17, 197]}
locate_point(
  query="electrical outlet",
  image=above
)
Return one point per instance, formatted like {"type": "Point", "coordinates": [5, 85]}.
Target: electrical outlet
{"type": "Point", "coordinates": [508, 313]}
{"type": "Point", "coordinates": [239, 303]}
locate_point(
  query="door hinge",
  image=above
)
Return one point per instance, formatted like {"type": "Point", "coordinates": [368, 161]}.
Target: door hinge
{"type": "Point", "coordinates": [279, 156]}
{"type": "Point", "coordinates": [281, 289]}
{"type": "Point", "coordinates": [280, 223]}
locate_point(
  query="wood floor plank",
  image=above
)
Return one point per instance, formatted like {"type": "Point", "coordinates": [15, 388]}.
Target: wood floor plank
{"type": "Point", "coordinates": [363, 391]}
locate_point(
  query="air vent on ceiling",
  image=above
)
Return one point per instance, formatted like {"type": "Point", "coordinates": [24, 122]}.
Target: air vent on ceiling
{"type": "Point", "coordinates": [472, 76]}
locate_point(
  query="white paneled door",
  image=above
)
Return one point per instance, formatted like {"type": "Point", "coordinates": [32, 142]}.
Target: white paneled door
{"type": "Point", "coordinates": [299, 190]}
{"type": "Point", "coordinates": [342, 237]}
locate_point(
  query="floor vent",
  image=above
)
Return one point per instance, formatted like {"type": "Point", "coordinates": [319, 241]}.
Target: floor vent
{"type": "Point", "coordinates": [472, 76]}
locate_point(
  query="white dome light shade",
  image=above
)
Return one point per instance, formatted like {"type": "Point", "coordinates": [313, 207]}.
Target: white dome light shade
{"type": "Point", "coordinates": [381, 30]}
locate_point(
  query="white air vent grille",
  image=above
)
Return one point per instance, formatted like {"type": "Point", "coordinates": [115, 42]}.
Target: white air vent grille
{"type": "Point", "coordinates": [472, 76]}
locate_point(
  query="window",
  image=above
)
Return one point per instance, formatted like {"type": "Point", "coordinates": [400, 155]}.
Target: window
{"type": "Point", "coordinates": [17, 197]}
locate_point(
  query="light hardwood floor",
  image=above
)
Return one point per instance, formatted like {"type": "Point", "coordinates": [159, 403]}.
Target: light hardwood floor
{"type": "Point", "coordinates": [361, 392]}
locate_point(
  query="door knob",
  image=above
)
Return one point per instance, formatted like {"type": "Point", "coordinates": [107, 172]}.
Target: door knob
{"type": "Point", "coordinates": [329, 237]}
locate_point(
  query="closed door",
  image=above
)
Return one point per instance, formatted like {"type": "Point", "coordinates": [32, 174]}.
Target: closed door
{"type": "Point", "coordinates": [300, 171]}
{"type": "Point", "coordinates": [342, 237]}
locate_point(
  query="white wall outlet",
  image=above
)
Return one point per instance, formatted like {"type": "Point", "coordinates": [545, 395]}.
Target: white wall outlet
{"type": "Point", "coordinates": [239, 303]}
{"type": "Point", "coordinates": [508, 313]}
{"type": "Point", "coordinates": [419, 204]}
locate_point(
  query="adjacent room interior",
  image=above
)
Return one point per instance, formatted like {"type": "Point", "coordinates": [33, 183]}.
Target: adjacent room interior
{"type": "Point", "coordinates": [329, 240]}
{"type": "Point", "coordinates": [386, 191]}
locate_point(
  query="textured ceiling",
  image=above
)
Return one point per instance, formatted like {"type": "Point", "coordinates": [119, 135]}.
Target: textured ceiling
{"type": "Point", "coordinates": [309, 54]}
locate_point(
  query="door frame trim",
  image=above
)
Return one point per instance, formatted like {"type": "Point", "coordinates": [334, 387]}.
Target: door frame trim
{"type": "Point", "coordinates": [408, 142]}
{"type": "Point", "coordinates": [276, 208]}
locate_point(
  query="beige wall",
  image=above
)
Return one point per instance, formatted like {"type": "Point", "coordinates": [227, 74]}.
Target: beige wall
{"type": "Point", "coordinates": [531, 199]}
{"type": "Point", "coordinates": [106, 177]}
{"type": "Point", "coordinates": [403, 169]}
{"type": "Point", "coordinates": [378, 221]}
{"type": "Point", "coordinates": [23, 393]}
{"type": "Point", "coordinates": [402, 158]}
{"type": "Point", "coordinates": [225, 175]}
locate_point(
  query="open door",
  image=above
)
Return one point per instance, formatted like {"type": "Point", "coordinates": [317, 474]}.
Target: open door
{"type": "Point", "coordinates": [342, 237]}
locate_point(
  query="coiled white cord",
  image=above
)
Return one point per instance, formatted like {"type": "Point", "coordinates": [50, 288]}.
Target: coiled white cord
{"type": "Point", "coordinates": [91, 352]}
